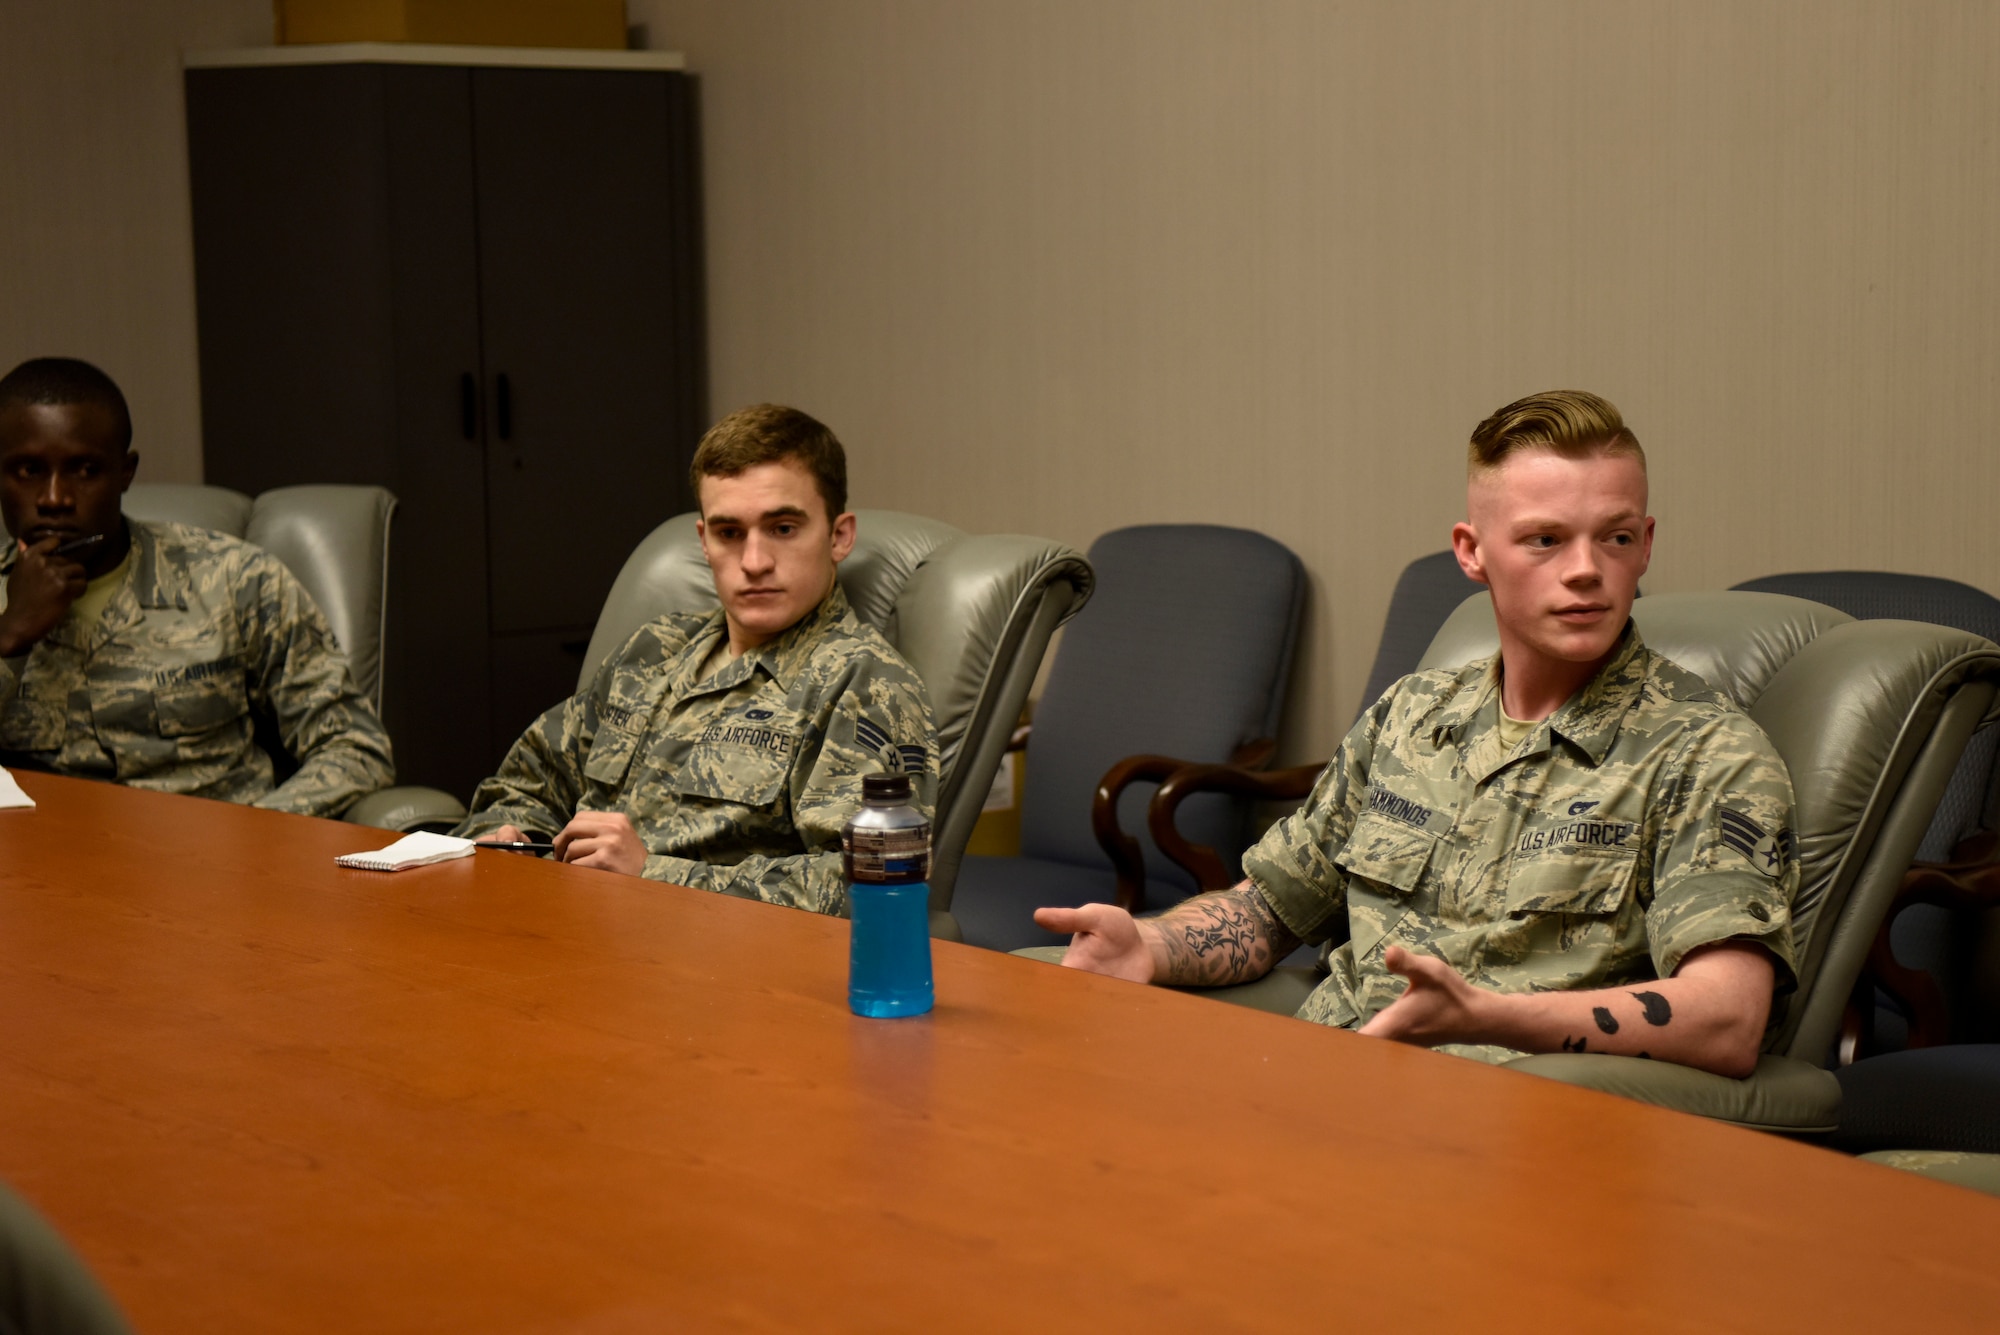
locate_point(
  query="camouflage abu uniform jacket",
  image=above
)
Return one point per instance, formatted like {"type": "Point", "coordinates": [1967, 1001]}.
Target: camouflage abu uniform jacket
{"type": "Point", "coordinates": [1646, 817]}
{"type": "Point", "coordinates": [207, 634]}
{"type": "Point", "coordinates": [738, 783]}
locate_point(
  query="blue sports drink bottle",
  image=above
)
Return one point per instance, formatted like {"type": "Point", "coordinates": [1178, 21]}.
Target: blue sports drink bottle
{"type": "Point", "coordinates": [886, 849]}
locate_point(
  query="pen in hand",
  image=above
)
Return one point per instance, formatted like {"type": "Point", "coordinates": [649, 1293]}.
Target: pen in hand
{"type": "Point", "coordinates": [524, 846]}
{"type": "Point", "coordinates": [75, 545]}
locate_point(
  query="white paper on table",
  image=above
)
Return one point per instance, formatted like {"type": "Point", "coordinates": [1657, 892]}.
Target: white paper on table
{"type": "Point", "coordinates": [412, 850]}
{"type": "Point", "coordinates": [11, 794]}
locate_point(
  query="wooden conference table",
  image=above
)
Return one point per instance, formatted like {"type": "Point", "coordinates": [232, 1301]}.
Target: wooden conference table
{"type": "Point", "coordinates": [262, 1093]}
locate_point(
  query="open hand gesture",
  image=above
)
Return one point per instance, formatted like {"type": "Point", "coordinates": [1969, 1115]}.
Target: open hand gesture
{"type": "Point", "coordinates": [1106, 940]}
{"type": "Point", "coordinates": [1438, 1007]}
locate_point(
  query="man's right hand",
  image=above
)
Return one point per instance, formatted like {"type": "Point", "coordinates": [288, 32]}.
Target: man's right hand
{"type": "Point", "coordinates": [39, 593]}
{"type": "Point", "coordinates": [1106, 939]}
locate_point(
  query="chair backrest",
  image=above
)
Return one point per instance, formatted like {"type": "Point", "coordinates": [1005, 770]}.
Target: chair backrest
{"type": "Point", "coordinates": [1428, 591]}
{"type": "Point", "coordinates": [1187, 652]}
{"type": "Point", "coordinates": [1870, 717]}
{"type": "Point", "coordinates": [334, 540]}
{"type": "Point", "coordinates": [972, 614]}
{"type": "Point", "coordinates": [1972, 801]}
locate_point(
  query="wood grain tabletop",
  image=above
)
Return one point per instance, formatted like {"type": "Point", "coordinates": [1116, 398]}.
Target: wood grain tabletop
{"type": "Point", "coordinates": [263, 1093]}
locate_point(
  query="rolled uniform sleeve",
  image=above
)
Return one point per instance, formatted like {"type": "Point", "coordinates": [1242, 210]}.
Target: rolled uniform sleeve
{"type": "Point", "coordinates": [301, 676]}
{"type": "Point", "coordinates": [1293, 866]}
{"type": "Point", "coordinates": [878, 721]}
{"type": "Point", "coordinates": [1726, 866]}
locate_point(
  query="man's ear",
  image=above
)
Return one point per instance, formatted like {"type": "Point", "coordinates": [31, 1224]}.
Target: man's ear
{"type": "Point", "coordinates": [128, 471]}
{"type": "Point", "coordinates": [1465, 546]}
{"type": "Point", "coordinates": [843, 536]}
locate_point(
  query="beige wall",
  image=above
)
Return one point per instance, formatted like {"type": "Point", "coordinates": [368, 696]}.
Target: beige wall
{"type": "Point", "coordinates": [1063, 266]}
{"type": "Point", "coordinates": [96, 259]}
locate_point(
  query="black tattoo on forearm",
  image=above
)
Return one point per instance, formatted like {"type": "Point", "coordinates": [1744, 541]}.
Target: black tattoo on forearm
{"type": "Point", "coordinates": [1658, 1012]}
{"type": "Point", "coordinates": [1231, 936]}
{"type": "Point", "coordinates": [1605, 1020]}
{"type": "Point", "coordinates": [1576, 1044]}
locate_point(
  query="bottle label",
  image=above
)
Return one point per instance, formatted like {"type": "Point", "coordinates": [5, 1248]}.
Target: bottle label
{"type": "Point", "coordinates": [886, 857]}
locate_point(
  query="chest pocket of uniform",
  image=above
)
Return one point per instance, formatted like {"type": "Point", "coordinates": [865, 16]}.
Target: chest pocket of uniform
{"type": "Point", "coordinates": [742, 758]}
{"type": "Point", "coordinates": [1387, 853]}
{"type": "Point", "coordinates": [1590, 881]}
{"type": "Point", "coordinates": [195, 708]}
{"type": "Point", "coordinates": [610, 755]}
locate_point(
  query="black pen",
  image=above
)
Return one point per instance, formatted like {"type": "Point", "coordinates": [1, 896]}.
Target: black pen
{"type": "Point", "coordinates": [523, 847]}
{"type": "Point", "coordinates": [75, 545]}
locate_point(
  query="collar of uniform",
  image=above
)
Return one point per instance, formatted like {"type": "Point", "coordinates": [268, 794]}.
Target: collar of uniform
{"type": "Point", "coordinates": [1477, 681]}
{"type": "Point", "coordinates": [154, 583]}
{"type": "Point", "coordinates": [147, 586]}
{"type": "Point", "coordinates": [1589, 720]}
{"type": "Point", "coordinates": [786, 657]}
{"type": "Point", "coordinates": [783, 657]}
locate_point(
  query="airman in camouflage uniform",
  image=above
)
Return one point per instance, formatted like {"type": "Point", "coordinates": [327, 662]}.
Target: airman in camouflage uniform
{"type": "Point", "coordinates": [727, 751]}
{"type": "Point", "coordinates": [1646, 817]}
{"type": "Point", "coordinates": [163, 690]}
{"type": "Point", "coordinates": [1606, 868]}
{"type": "Point", "coordinates": [739, 782]}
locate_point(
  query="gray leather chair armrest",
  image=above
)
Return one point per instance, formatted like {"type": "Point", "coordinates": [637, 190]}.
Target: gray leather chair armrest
{"type": "Point", "coordinates": [1783, 1094]}
{"type": "Point", "coordinates": [1981, 1172]}
{"type": "Point", "coordinates": [1281, 991]}
{"type": "Point", "coordinates": [406, 808]}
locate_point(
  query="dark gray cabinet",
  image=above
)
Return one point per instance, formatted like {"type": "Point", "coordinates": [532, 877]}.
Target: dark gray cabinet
{"type": "Point", "coordinates": [481, 288]}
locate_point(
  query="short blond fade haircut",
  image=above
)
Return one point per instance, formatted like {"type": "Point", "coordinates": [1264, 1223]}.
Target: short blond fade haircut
{"type": "Point", "coordinates": [1571, 422]}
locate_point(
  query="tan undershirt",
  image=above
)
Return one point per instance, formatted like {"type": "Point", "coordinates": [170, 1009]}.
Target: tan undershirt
{"type": "Point", "coordinates": [717, 657]}
{"type": "Point", "coordinates": [97, 594]}
{"type": "Point", "coordinates": [1512, 730]}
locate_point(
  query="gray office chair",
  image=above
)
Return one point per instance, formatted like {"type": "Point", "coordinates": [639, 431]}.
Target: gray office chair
{"type": "Point", "coordinates": [1427, 592]}
{"type": "Point", "coordinates": [972, 613]}
{"type": "Point", "coordinates": [334, 539]}
{"type": "Point", "coordinates": [1872, 718]}
{"type": "Point", "coordinates": [45, 1289]}
{"type": "Point", "coordinates": [1185, 655]}
{"type": "Point", "coordinates": [1935, 1108]}
{"type": "Point", "coordinates": [1923, 959]}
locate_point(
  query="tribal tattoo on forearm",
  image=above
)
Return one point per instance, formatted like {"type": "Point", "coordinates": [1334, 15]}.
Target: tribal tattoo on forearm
{"type": "Point", "coordinates": [1230, 936]}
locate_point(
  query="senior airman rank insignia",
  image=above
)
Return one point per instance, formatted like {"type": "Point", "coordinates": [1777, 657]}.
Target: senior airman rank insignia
{"type": "Point", "coordinates": [898, 759]}
{"type": "Point", "coordinates": [1766, 852]}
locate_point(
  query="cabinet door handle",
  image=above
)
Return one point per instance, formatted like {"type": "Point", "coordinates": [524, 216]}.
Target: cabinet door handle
{"type": "Point", "coordinates": [503, 406]}
{"type": "Point", "coordinates": [468, 406]}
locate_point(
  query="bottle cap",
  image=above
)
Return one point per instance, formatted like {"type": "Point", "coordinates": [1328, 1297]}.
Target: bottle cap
{"type": "Point", "coordinates": [885, 787]}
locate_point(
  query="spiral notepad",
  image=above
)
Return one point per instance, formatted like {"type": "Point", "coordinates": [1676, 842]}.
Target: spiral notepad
{"type": "Point", "coordinates": [412, 850]}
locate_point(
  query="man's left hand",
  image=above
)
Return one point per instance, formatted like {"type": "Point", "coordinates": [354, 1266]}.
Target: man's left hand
{"type": "Point", "coordinates": [602, 839]}
{"type": "Point", "coordinates": [1438, 1007]}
